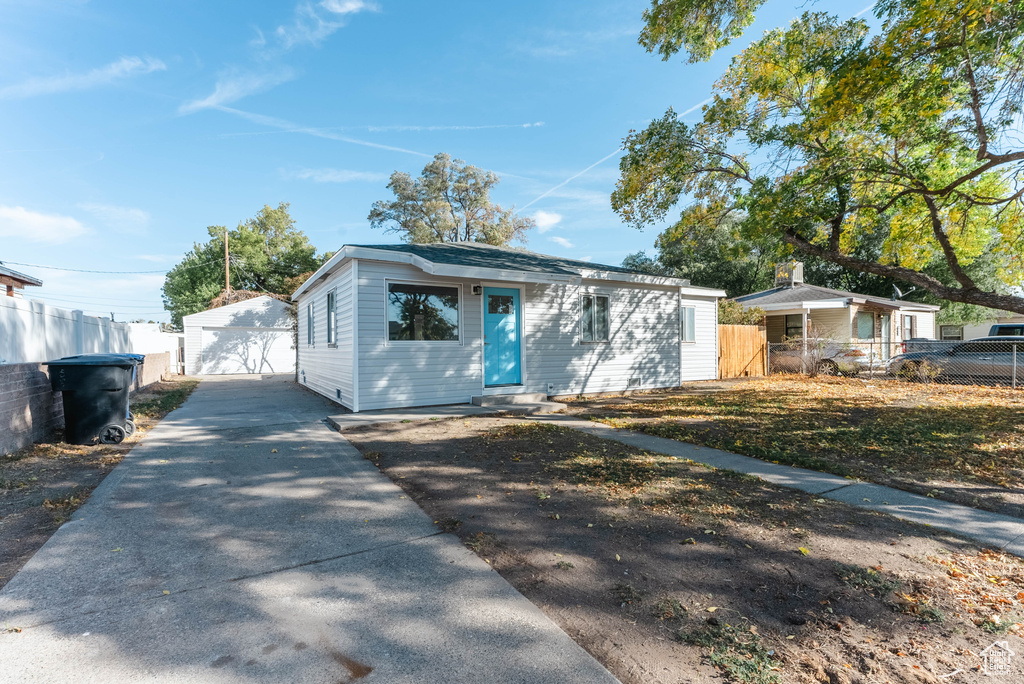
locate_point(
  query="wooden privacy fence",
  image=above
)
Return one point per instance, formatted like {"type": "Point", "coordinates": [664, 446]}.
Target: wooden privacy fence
{"type": "Point", "coordinates": [742, 351]}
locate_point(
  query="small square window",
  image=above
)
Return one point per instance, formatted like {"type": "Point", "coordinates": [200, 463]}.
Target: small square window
{"type": "Point", "coordinates": [794, 325]}
{"type": "Point", "coordinates": [500, 304]}
{"type": "Point", "coordinates": [865, 325]}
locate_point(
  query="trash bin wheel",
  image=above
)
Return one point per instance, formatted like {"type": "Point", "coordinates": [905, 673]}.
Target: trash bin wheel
{"type": "Point", "coordinates": [129, 428]}
{"type": "Point", "coordinates": [131, 417]}
{"type": "Point", "coordinates": [113, 434]}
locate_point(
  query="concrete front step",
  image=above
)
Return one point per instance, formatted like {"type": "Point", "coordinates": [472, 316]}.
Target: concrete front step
{"type": "Point", "coordinates": [529, 409]}
{"type": "Point", "coordinates": [503, 399]}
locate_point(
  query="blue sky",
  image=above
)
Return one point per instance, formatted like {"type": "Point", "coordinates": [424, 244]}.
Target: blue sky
{"type": "Point", "coordinates": [129, 127]}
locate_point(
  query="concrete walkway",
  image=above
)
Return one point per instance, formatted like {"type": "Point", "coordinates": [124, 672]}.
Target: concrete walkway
{"type": "Point", "coordinates": [243, 540]}
{"type": "Point", "coordinates": [989, 529]}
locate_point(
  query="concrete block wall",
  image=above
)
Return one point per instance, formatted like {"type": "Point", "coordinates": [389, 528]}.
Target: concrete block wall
{"type": "Point", "coordinates": [29, 409]}
{"type": "Point", "coordinates": [153, 369]}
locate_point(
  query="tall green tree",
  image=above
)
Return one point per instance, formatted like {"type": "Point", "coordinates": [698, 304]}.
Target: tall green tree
{"type": "Point", "coordinates": [267, 252]}
{"type": "Point", "coordinates": [827, 138]}
{"type": "Point", "coordinates": [449, 202]}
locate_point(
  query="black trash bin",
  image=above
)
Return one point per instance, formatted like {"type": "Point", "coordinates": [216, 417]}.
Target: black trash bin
{"type": "Point", "coordinates": [95, 391]}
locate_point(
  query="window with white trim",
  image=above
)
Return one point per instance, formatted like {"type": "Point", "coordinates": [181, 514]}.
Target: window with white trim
{"type": "Point", "coordinates": [418, 312]}
{"type": "Point", "coordinates": [331, 329]}
{"type": "Point", "coordinates": [909, 326]}
{"type": "Point", "coordinates": [951, 332]}
{"type": "Point", "coordinates": [309, 325]}
{"type": "Point", "coordinates": [594, 324]}
{"type": "Point", "coordinates": [687, 321]}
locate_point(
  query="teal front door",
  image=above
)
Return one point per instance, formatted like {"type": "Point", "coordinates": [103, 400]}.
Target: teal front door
{"type": "Point", "coordinates": [501, 336]}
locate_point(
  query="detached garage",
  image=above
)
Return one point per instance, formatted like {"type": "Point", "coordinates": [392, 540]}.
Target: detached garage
{"type": "Point", "coordinates": [253, 336]}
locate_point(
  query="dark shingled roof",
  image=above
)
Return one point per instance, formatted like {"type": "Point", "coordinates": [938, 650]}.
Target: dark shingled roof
{"type": "Point", "coordinates": [809, 293]}
{"type": "Point", "coordinates": [477, 255]}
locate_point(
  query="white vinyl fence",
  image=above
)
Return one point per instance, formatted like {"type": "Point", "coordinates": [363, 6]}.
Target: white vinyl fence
{"type": "Point", "coordinates": [32, 332]}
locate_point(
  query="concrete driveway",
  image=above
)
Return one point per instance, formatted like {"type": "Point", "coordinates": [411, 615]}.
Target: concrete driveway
{"type": "Point", "coordinates": [244, 541]}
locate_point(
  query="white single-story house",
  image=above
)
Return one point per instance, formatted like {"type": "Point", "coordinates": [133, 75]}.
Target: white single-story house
{"type": "Point", "coordinates": [968, 331]}
{"type": "Point", "coordinates": [252, 336]}
{"type": "Point", "coordinates": [388, 326]}
{"type": "Point", "coordinates": [795, 309]}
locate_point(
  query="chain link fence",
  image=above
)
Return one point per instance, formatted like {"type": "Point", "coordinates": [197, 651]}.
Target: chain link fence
{"type": "Point", "coordinates": [990, 361]}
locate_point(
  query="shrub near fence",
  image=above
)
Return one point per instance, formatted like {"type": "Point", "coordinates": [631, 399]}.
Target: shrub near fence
{"type": "Point", "coordinates": [989, 361]}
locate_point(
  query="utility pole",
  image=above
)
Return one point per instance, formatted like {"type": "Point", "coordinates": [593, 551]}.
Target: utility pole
{"type": "Point", "coordinates": [227, 274]}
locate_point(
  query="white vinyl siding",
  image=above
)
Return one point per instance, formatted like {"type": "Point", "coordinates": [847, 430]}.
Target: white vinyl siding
{"type": "Point", "coordinates": [414, 373]}
{"type": "Point", "coordinates": [328, 369]}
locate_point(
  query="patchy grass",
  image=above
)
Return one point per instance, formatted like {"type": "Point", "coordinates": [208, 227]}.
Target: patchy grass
{"type": "Point", "coordinates": [924, 438]}
{"type": "Point", "coordinates": [666, 570]}
{"type": "Point", "coordinates": [737, 651]}
{"type": "Point", "coordinates": [42, 485]}
{"type": "Point", "coordinates": [165, 401]}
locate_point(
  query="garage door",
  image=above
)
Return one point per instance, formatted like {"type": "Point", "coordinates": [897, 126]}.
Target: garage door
{"type": "Point", "coordinates": [247, 350]}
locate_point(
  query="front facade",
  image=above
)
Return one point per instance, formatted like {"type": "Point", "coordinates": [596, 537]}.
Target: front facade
{"type": "Point", "coordinates": [796, 310]}
{"type": "Point", "coordinates": [391, 326]}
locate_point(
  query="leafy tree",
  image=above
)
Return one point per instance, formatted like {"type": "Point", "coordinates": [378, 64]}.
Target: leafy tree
{"type": "Point", "coordinates": [731, 312]}
{"type": "Point", "coordinates": [449, 202]}
{"type": "Point", "coordinates": [266, 251]}
{"type": "Point", "coordinates": [830, 139]}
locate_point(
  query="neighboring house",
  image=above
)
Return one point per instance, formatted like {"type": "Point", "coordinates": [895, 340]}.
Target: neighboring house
{"type": "Point", "coordinates": [968, 331]}
{"type": "Point", "coordinates": [253, 336]}
{"type": "Point", "coordinates": [13, 281]}
{"type": "Point", "coordinates": [795, 309]}
{"type": "Point", "coordinates": [387, 326]}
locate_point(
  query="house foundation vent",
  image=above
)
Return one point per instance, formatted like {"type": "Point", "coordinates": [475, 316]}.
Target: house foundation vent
{"type": "Point", "coordinates": [633, 383]}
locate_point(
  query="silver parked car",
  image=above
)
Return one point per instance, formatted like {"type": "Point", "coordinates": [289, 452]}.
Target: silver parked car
{"type": "Point", "coordinates": [981, 360]}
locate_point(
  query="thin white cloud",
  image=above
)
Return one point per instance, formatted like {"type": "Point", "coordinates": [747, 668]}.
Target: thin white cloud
{"type": "Point", "coordinates": [312, 24]}
{"type": "Point", "coordinates": [570, 179]}
{"type": "Point", "coordinates": [561, 241]}
{"type": "Point", "coordinates": [18, 222]}
{"type": "Point", "coordinates": [125, 67]}
{"type": "Point", "coordinates": [562, 44]}
{"type": "Point", "coordinates": [338, 176]}
{"type": "Point", "coordinates": [235, 86]}
{"type": "Point", "coordinates": [546, 220]}
{"type": "Point", "coordinates": [121, 219]}
{"type": "Point", "coordinates": [158, 258]}
{"type": "Point", "coordinates": [326, 133]}
{"type": "Point", "coordinates": [586, 258]}
{"type": "Point", "coordinates": [456, 127]}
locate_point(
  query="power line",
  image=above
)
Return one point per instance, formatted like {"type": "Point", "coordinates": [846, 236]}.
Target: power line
{"type": "Point", "coordinates": [81, 270]}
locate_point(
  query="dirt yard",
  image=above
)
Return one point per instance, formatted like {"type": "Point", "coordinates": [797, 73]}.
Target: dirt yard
{"type": "Point", "coordinates": [670, 572]}
{"type": "Point", "coordinates": [953, 442]}
{"type": "Point", "coordinates": [43, 484]}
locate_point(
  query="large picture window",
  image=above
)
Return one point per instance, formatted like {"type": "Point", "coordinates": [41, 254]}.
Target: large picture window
{"type": "Point", "coordinates": [687, 318]}
{"type": "Point", "coordinates": [331, 324]}
{"type": "Point", "coordinates": [423, 312]}
{"type": "Point", "coordinates": [594, 318]}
